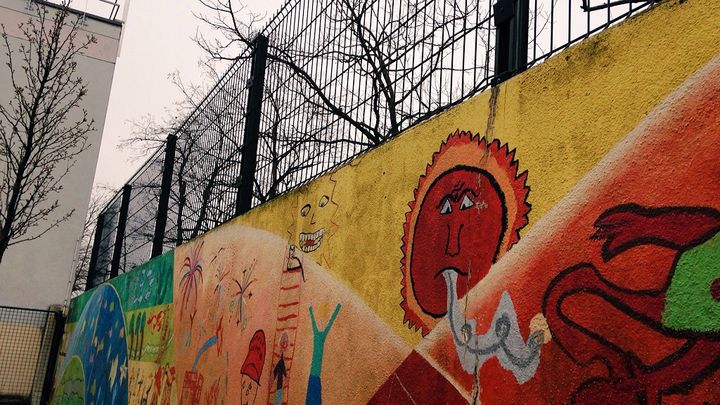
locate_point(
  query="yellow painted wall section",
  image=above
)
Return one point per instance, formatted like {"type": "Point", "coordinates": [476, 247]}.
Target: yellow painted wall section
{"type": "Point", "coordinates": [561, 116]}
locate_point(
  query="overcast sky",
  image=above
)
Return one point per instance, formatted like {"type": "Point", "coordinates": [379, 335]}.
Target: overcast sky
{"type": "Point", "coordinates": [156, 42]}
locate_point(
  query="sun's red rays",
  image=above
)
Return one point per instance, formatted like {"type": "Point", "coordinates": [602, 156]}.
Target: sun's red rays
{"type": "Point", "coordinates": [464, 148]}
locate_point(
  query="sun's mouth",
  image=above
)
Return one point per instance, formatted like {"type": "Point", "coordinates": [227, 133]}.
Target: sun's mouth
{"type": "Point", "coordinates": [449, 269]}
{"type": "Point", "coordinates": [309, 242]}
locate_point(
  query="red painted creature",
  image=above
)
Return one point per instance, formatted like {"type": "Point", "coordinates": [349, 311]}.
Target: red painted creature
{"type": "Point", "coordinates": [688, 347]}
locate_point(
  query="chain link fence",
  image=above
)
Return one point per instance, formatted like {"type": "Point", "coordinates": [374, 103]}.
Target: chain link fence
{"type": "Point", "coordinates": [29, 343]}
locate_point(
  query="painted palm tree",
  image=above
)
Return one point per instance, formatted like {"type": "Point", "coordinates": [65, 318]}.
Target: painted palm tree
{"type": "Point", "coordinates": [241, 296]}
{"type": "Point", "coordinates": [190, 280]}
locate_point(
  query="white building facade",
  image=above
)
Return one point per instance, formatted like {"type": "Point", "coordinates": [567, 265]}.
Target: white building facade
{"type": "Point", "coordinates": [38, 273]}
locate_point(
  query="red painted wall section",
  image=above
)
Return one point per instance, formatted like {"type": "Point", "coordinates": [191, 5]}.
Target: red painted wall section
{"type": "Point", "coordinates": [625, 270]}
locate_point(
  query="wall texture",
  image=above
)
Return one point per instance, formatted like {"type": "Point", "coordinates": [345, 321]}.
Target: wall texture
{"type": "Point", "coordinates": [553, 240]}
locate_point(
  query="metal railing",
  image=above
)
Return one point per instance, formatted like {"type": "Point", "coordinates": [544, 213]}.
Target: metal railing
{"type": "Point", "coordinates": [106, 10]}
{"type": "Point", "coordinates": [325, 81]}
{"type": "Point", "coordinates": [29, 345]}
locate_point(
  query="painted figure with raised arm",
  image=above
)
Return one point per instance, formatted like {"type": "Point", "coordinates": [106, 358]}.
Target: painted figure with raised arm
{"type": "Point", "coordinates": [314, 390]}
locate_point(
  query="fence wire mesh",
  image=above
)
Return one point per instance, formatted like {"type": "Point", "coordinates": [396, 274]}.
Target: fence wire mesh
{"type": "Point", "coordinates": [107, 226]}
{"type": "Point", "coordinates": [207, 160]}
{"type": "Point", "coordinates": [342, 77]}
{"type": "Point", "coordinates": [26, 344]}
{"type": "Point", "coordinates": [346, 76]}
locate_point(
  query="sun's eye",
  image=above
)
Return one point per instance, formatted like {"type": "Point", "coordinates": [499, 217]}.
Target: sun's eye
{"type": "Point", "coordinates": [466, 202]}
{"type": "Point", "coordinates": [305, 210]}
{"type": "Point", "coordinates": [323, 201]}
{"type": "Point", "coordinates": [446, 208]}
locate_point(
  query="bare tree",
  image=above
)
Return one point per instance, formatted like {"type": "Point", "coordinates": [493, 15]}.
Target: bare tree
{"type": "Point", "coordinates": [391, 55]}
{"type": "Point", "coordinates": [43, 127]}
{"type": "Point", "coordinates": [381, 68]}
{"type": "Point", "coordinates": [100, 196]}
{"type": "Point", "coordinates": [284, 152]}
{"type": "Point", "coordinates": [208, 156]}
{"type": "Point", "coordinates": [346, 75]}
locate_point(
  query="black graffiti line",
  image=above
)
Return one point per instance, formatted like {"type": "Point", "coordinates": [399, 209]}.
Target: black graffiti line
{"type": "Point", "coordinates": [627, 309]}
{"type": "Point", "coordinates": [635, 360]}
{"type": "Point", "coordinates": [632, 362]}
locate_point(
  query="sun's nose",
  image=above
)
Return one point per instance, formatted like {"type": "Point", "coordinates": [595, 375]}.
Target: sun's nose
{"type": "Point", "coordinates": [452, 244]}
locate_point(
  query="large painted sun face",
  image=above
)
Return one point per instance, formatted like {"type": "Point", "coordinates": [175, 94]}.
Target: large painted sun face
{"type": "Point", "coordinates": [468, 209]}
{"type": "Point", "coordinates": [459, 227]}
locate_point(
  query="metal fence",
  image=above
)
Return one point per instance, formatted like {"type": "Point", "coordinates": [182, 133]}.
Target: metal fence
{"type": "Point", "coordinates": [106, 10]}
{"type": "Point", "coordinates": [29, 343]}
{"type": "Point", "coordinates": [324, 81]}
{"type": "Point", "coordinates": [186, 187]}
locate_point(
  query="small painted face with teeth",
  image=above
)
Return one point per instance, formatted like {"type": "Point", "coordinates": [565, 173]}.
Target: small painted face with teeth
{"type": "Point", "coordinates": [311, 231]}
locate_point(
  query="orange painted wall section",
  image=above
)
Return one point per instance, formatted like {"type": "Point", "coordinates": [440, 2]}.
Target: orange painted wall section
{"type": "Point", "coordinates": [553, 240]}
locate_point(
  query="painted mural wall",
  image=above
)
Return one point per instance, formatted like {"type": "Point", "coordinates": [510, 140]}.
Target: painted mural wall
{"type": "Point", "coordinates": [554, 240]}
{"type": "Point", "coordinates": [118, 341]}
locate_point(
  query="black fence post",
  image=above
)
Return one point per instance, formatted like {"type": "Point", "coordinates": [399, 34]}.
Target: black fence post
{"type": "Point", "coordinates": [238, 185]}
{"type": "Point", "coordinates": [162, 211]}
{"type": "Point", "coordinates": [59, 325]}
{"type": "Point", "coordinates": [92, 268]}
{"type": "Point", "coordinates": [181, 206]}
{"type": "Point", "coordinates": [511, 18]}
{"type": "Point", "coordinates": [252, 126]}
{"type": "Point", "coordinates": [120, 233]}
